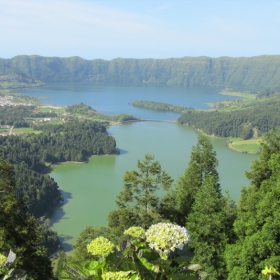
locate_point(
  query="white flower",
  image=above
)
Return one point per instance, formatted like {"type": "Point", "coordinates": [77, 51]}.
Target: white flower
{"type": "Point", "coordinates": [166, 237]}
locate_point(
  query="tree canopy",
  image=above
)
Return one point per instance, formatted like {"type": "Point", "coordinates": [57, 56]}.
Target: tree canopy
{"type": "Point", "coordinates": [20, 231]}
{"type": "Point", "coordinates": [177, 204]}
{"type": "Point", "coordinates": [257, 224]}
{"type": "Point", "coordinates": [138, 202]}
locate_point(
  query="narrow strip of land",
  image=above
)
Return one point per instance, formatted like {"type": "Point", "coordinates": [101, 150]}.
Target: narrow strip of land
{"type": "Point", "coordinates": [147, 120]}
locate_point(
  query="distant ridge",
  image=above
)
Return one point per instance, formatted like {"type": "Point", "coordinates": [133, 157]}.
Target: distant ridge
{"type": "Point", "coordinates": [243, 73]}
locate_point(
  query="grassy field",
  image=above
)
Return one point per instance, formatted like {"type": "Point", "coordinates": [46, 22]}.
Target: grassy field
{"type": "Point", "coordinates": [246, 146]}
{"type": "Point", "coordinates": [26, 130]}
{"type": "Point", "coordinates": [242, 104]}
{"type": "Point", "coordinates": [51, 108]}
{"type": "Point", "coordinates": [244, 95]}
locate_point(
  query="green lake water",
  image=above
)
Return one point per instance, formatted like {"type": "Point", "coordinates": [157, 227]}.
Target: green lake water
{"type": "Point", "coordinates": [90, 189]}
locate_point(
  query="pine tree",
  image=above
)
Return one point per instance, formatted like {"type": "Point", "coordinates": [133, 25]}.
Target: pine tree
{"type": "Point", "coordinates": [207, 226]}
{"type": "Point", "coordinates": [138, 202]}
{"type": "Point", "coordinates": [177, 205]}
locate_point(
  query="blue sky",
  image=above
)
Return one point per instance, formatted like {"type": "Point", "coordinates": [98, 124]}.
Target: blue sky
{"type": "Point", "coordinates": [139, 28]}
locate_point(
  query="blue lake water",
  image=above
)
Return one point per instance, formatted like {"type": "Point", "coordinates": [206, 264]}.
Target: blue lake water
{"type": "Point", "coordinates": [115, 99]}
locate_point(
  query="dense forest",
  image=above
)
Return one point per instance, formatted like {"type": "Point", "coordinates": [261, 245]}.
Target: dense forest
{"type": "Point", "coordinates": [31, 155]}
{"type": "Point", "coordinates": [243, 73]}
{"type": "Point", "coordinates": [21, 233]}
{"type": "Point", "coordinates": [72, 141]}
{"type": "Point", "coordinates": [245, 122]}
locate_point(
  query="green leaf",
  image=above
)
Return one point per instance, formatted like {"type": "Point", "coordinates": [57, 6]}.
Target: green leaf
{"type": "Point", "coordinates": [149, 265]}
{"type": "Point", "coordinates": [93, 265]}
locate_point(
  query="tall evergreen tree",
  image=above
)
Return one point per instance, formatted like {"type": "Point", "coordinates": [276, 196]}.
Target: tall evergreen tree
{"type": "Point", "coordinates": [207, 226]}
{"type": "Point", "coordinates": [176, 206]}
{"type": "Point", "coordinates": [257, 226]}
{"type": "Point", "coordinates": [20, 231]}
{"type": "Point", "coordinates": [138, 202]}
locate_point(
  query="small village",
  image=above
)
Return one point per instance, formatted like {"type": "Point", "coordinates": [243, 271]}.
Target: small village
{"type": "Point", "coordinates": [14, 101]}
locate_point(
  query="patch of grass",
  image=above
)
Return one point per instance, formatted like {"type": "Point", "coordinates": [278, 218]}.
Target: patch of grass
{"type": "Point", "coordinates": [244, 95]}
{"type": "Point", "coordinates": [26, 130]}
{"type": "Point", "coordinates": [51, 108]}
{"type": "Point", "coordinates": [246, 146]}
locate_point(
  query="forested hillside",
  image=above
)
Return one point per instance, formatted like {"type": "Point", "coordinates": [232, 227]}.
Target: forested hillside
{"type": "Point", "coordinates": [244, 73]}
{"type": "Point", "coordinates": [20, 232]}
{"type": "Point", "coordinates": [73, 141]}
{"type": "Point", "coordinates": [246, 121]}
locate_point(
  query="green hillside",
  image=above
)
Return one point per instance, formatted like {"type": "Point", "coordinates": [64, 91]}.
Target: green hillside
{"type": "Point", "coordinates": [244, 73]}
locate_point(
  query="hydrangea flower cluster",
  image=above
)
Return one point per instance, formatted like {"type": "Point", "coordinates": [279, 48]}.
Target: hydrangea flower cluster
{"type": "Point", "coordinates": [136, 232]}
{"type": "Point", "coordinates": [100, 246]}
{"type": "Point", "coordinates": [2, 260]}
{"type": "Point", "coordinates": [166, 237]}
{"type": "Point", "coordinates": [118, 275]}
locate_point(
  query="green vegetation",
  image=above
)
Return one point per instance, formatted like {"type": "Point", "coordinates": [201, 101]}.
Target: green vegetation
{"type": "Point", "coordinates": [177, 204]}
{"type": "Point", "coordinates": [159, 106]}
{"type": "Point", "coordinates": [25, 118]}
{"type": "Point", "coordinates": [229, 242]}
{"type": "Point", "coordinates": [158, 253]}
{"type": "Point", "coordinates": [246, 146]}
{"type": "Point", "coordinates": [22, 116]}
{"type": "Point", "coordinates": [138, 201]}
{"type": "Point", "coordinates": [73, 141]}
{"type": "Point", "coordinates": [7, 268]}
{"type": "Point", "coordinates": [49, 108]}
{"type": "Point", "coordinates": [244, 95]}
{"type": "Point", "coordinates": [20, 231]}
{"type": "Point", "coordinates": [87, 112]}
{"type": "Point", "coordinates": [246, 73]}
{"type": "Point", "coordinates": [18, 80]}
{"type": "Point", "coordinates": [26, 130]}
{"type": "Point", "coordinates": [256, 227]}
{"type": "Point", "coordinates": [81, 109]}
{"type": "Point", "coordinates": [252, 119]}
{"type": "Point", "coordinates": [195, 202]}
{"type": "Point", "coordinates": [207, 224]}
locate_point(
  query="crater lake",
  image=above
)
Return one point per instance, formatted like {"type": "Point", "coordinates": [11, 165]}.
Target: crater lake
{"type": "Point", "coordinates": [90, 189]}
